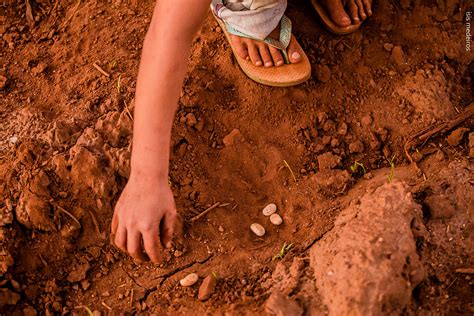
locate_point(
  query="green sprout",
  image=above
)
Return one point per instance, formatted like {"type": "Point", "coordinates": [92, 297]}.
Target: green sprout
{"type": "Point", "coordinates": [392, 168]}
{"type": "Point", "coordinates": [355, 167]}
{"type": "Point", "coordinates": [283, 251]}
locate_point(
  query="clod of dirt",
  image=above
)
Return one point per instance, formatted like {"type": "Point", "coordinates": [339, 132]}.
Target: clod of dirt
{"type": "Point", "coordinates": [388, 47]}
{"type": "Point", "coordinates": [375, 237]}
{"type": "Point", "coordinates": [331, 182]}
{"type": "Point", "coordinates": [189, 280]}
{"type": "Point", "coordinates": [471, 145]}
{"type": "Point", "coordinates": [232, 138]}
{"type": "Point", "coordinates": [33, 212]}
{"type": "Point", "coordinates": [191, 119]}
{"type": "Point", "coordinates": [328, 161]}
{"type": "Point", "coordinates": [80, 273]}
{"type": "Point", "coordinates": [257, 229]}
{"type": "Point", "coordinates": [3, 82]}
{"type": "Point", "coordinates": [323, 73]}
{"type": "Point", "coordinates": [440, 207]}
{"type": "Point", "coordinates": [356, 147]}
{"type": "Point", "coordinates": [366, 120]}
{"type": "Point", "coordinates": [398, 56]}
{"type": "Point", "coordinates": [29, 311]}
{"type": "Point", "coordinates": [269, 209]}
{"type": "Point", "coordinates": [455, 138]}
{"type": "Point", "coordinates": [41, 67]}
{"type": "Point", "coordinates": [6, 213]}
{"type": "Point", "coordinates": [207, 288]}
{"type": "Point", "coordinates": [280, 305]}
{"type": "Point", "coordinates": [276, 219]}
{"type": "Point", "coordinates": [8, 297]}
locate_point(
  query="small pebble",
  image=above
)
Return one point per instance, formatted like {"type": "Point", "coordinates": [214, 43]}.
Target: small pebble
{"type": "Point", "coordinates": [269, 209]}
{"type": "Point", "coordinates": [189, 280]}
{"type": "Point", "coordinates": [276, 219]}
{"type": "Point", "coordinates": [257, 229]}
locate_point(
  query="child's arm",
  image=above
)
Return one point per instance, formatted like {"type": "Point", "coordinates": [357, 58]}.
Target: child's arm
{"type": "Point", "coordinates": [146, 208]}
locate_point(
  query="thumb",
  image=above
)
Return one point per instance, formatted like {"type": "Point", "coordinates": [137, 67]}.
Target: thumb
{"type": "Point", "coordinates": [167, 228]}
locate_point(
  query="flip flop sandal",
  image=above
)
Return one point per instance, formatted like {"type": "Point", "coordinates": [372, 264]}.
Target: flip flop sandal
{"type": "Point", "coordinates": [283, 76]}
{"type": "Point", "coordinates": [329, 24]}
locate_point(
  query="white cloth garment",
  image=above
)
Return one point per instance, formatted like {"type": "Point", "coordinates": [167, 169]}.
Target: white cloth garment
{"type": "Point", "coordinates": [256, 18]}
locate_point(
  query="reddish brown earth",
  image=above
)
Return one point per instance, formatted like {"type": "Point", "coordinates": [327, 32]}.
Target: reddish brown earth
{"type": "Point", "coordinates": [392, 240]}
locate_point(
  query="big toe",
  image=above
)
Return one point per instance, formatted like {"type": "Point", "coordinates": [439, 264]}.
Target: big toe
{"type": "Point", "coordinates": [294, 51]}
{"type": "Point", "coordinates": [338, 13]}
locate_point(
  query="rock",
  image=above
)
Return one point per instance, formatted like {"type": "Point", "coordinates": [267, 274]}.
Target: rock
{"type": "Point", "coordinates": [439, 206]}
{"type": "Point", "coordinates": [398, 57]}
{"type": "Point", "coordinates": [455, 138]}
{"type": "Point", "coordinates": [80, 273]}
{"type": "Point", "coordinates": [323, 73]}
{"type": "Point", "coordinates": [3, 82]}
{"type": "Point", "coordinates": [207, 287]}
{"type": "Point", "coordinates": [191, 119]}
{"type": "Point", "coordinates": [269, 209]}
{"type": "Point", "coordinates": [280, 305]}
{"type": "Point", "coordinates": [257, 229]}
{"type": "Point", "coordinates": [40, 68]}
{"type": "Point", "coordinates": [356, 147]}
{"type": "Point", "coordinates": [388, 47]}
{"type": "Point", "coordinates": [328, 161]}
{"type": "Point", "coordinates": [232, 138]}
{"type": "Point", "coordinates": [276, 219]}
{"type": "Point", "coordinates": [376, 238]}
{"type": "Point", "coordinates": [189, 280]}
{"type": "Point", "coordinates": [8, 297]}
{"type": "Point", "coordinates": [85, 284]}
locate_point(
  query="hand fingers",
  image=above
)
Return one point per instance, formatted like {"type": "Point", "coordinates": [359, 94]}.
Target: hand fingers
{"type": "Point", "coordinates": [121, 239]}
{"type": "Point", "coordinates": [151, 243]}
{"type": "Point", "coordinates": [134, 246]}
{"type": "Point", "coordinates": [167, 228]}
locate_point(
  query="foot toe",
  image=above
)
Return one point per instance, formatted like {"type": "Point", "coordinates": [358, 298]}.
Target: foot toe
{"type": "Point", "coordinates": [294, 53]}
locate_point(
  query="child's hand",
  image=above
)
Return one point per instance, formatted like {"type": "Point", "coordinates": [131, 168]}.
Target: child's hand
{"type": "Point", "coordinates": [144, 212]}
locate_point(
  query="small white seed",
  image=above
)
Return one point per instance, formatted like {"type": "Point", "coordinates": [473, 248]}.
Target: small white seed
{"type": "Point", "coordinates": [189, 280]}
{"type": "Point", "coordinates": [276, 219]}
{"type": "Point", "coordinates": [269, 209]}
{"type": "Point", "coordinates": [257, 229]}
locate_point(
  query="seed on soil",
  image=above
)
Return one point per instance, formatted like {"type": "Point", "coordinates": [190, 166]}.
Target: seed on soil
{"type": "Point", "coordinates": [276, 219]}
{"type": "Point", "coordinates": [269, 209]}
{"type": "Point", "coordinates": [189, 280]}
{"type": "Point", "coordinates": [257, 229]}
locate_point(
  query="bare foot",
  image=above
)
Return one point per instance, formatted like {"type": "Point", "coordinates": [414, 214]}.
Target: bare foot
{"type": "Point", "coordinates": [262, 54]}
{"type": "Point", "coordinates": [353, 12]}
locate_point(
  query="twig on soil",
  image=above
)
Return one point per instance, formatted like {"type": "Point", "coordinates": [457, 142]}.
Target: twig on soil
{"type": "Point", "coordinates": [131, 298]}
{"type": "Point", "coordinates": [102, 71]}
{"type": "Point", "coordinates": [62, 26]}
{"type": "Point", "coordinates": [29, 13]}
{"type": "Point", "coordinates": [289, 168]}
{"type": "Point", "coordinates": [465, 270]}
{"type": "Point", "coordinates": [42, 260]}
{"type": "Point", "coordinates": [130, 115]}
{"type": "Point", "coordinates": [205, 212]}
{"type": "Point", "coordinates": [69, 214]}
{"type": "Point", "coordinates": [96, 224]}
{"type": "Point", "coordinates": [106, 306]}
{"type": "Point", "coordinates": [424, 135]}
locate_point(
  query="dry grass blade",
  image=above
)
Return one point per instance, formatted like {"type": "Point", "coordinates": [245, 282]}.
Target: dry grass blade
{"type": "Point", "coordinates": [289, 168]}
{"type": "Point", "coordinates": [102, 71]}
{"type": "Point", "coordinates": [69, 214]}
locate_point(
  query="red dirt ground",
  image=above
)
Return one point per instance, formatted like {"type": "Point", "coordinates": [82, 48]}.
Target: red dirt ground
{"type": "Point", "coordinates": [65, 145]}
